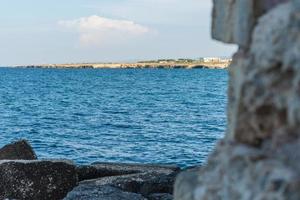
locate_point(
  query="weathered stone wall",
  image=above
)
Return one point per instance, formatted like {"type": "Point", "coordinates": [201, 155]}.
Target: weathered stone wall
{"type": "Point", "coordinates": [234, 20]}
{"type": "Point", "coordinates": [259, 157]}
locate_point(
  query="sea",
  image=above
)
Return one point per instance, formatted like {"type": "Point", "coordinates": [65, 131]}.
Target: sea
{"type": "Point", "coordinates": [164, 116]}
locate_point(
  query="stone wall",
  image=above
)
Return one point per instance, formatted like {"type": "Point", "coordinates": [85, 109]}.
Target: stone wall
{"type": "Point", "coordinates": [259, 157]}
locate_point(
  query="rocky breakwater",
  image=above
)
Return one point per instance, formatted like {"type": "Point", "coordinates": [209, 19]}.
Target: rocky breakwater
{"type": "Point", "coordinates": [23, 176]}
{"type": "Point", "coordinates": [259, 156]}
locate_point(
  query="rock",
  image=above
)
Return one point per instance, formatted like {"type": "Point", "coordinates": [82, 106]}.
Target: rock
{"type": "Point", "coordinates": [296, 5]}
{"type": "Point", "coordinates": [234, 20]}
{"type": "Point", "coordinates": [102, 169]}
{"type": "Point", "coordinates": [266, 5]}
{"type": "Point", "coordinates": [256, 111]}
{"type": "Point", "coordinates": [160, 196]}
{"type": "Point", "coordinates": [137, 168]}
{"type": "Point", "coordinates": [36, 180]}
{"type": "Point", "coordinates": [20, 150]}
{"type": "Point", "coordinates": [259, 156]}
{"type": "Point", "coordinates": [142, 183]}
{"type": "Point", "coordinates": [86, 172]}
{"type": "Point", "coordinates": [241, 172]}
{"type": "Point", "coordinates": [90, 192]}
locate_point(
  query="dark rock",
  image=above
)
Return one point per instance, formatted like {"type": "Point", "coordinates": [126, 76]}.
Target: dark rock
{"type": "Point", "coordinates": [143, 183]}
{"type": "Point", "coordinates": [129, 181]}
{"type": "Point", "coordinates": [99, 170]}
{"type": "Point", "coordinates": [86, 172]}
{"type": "Point", "coordinates": [160, 183]}
{"type": "Point", "coordinates": [91, 192]}
{"type": "Point", "coordinates": [20, 150]}
{"type": "Point", "coordinates": [36, 180]}
{"type": "Point", "coordinates": [160, 196]}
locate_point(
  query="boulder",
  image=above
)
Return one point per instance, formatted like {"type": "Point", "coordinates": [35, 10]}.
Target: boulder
{"type": "Point", "coordinates": [160, 196]}
{"type": "Point", "coordinates": [145, 184]}
{"type": "Point", "coordinates": [36, 180]}
{"type": "Point", "coordinates": [102, 169]}
{"type": "Point", "coordinates": [20, 150]}
{"type": "Point", "coordinates": [91, 192]}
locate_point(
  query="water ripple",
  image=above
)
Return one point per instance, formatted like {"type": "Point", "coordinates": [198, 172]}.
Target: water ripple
{"type": "Point", "coordinates": [134, 115]}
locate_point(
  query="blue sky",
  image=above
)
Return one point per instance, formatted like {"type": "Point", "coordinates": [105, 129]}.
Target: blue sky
{"type": "Point", "coordinates": [64, 31]}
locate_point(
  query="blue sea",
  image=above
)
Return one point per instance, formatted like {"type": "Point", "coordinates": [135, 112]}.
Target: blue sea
{"type": "Point", "coordinates": [170, 116]}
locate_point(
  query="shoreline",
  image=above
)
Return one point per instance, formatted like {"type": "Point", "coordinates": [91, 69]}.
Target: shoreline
{"type": "Point", "coordinates": [137, 65]}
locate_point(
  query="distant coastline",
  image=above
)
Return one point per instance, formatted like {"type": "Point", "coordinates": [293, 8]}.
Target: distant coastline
{"type": "Point", "coordinates": [208, 63]}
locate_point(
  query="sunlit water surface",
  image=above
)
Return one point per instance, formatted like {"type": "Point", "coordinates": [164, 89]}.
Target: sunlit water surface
{"type": "Point", "coordinates": [135, 115]}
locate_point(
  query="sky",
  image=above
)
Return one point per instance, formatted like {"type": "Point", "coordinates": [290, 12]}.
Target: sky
{"type": "Point", "coordinates": [72, 31]}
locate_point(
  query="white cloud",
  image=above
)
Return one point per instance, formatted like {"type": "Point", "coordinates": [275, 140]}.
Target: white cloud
{"type": "Point", "coordinates": [163, 12]}
{"type": "Point", "coordinates": [95, 30]}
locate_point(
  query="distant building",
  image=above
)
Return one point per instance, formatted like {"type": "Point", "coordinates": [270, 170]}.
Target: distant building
{"type": "Point", "coordinates": [226, 60]}
{"type": "Point", "coordinates": [201, 59]}
{"type": "Point", "coordinates": [216, 59]}
{"type": "Point", "coordinates": [211, 59]}
{"type": "Point", "coordinates": [186, 60]}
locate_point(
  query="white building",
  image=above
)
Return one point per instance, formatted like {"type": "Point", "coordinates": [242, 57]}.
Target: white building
{"type": "Point", "coordinates": [216, 59]}
{"type": "Point", "coordinates": [211, 59]}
